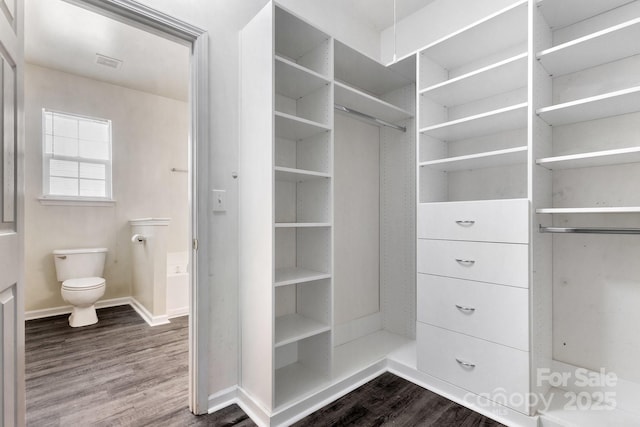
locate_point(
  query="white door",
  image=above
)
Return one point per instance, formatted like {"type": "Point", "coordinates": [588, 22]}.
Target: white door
{"type": "Point", "coordinates": [12, 398]}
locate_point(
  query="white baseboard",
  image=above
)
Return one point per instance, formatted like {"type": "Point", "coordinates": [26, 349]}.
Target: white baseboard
{"type": "Point", "coordinates": [178, 312]}
{"type": "Point", "coordinates": [114, 302]}
{"type": "Point", "coordinates": [57, 311]}
{"type": "Point", "coordinates": [147, 316]}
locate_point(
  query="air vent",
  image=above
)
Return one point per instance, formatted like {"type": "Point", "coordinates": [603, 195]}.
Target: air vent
{"type": "Point", "coordinates": [108, 62]}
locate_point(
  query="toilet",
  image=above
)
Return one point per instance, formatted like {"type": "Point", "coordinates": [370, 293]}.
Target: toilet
{"type": "Point", "coordinates": [80, 271]}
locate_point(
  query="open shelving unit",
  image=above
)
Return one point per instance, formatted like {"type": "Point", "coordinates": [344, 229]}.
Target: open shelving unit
{"type": "Point", "coordinates": [362, 102]}
{"type": "Point", "coordinates": [509, 156]}
{"type": "Point", "coordinates": [560, 14]}
{"type": "Point", "coordinates": [592, 159]}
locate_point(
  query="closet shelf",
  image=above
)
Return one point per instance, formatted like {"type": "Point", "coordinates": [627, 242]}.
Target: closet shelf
{"type": "Point", "coordinates": [360, 101]}
{"type": "Point", "coordinates": [294, 382]}
{"type": "Point", "coordinates": [608, 45]}
{"type": "Point", "coordinates": [302, 224]}
{"type": "Point", "coordinates": [295, 38]}
{"type": "Point", "coordinates": [503, 76]}
{"type": "Point", "coordinates": [497, 32]}
{"type": "Point", "coordinates": [298, 175]}
{"type": "Point", "coordinates": [503, 119]}
{"type": "Point", "coordinates": [560, 13]}
{"type": "Point", "coordinates": [592, 108]}
{"type": "Point", "coordinates": [594, 210]}
{"type": "Point", "coordinates": [295, 128]}
{"type": "Point", "coordinates": [370, 75]}
{"type": "Point", "coordinates": [291, 276]}
{"type": "Point", "coordinates": [295, 81]}
{"type": "Point", "coordinates": [596, 158]}
{"type": "Point", "coordinates": [294, 327]}
{"type": "Point", "coordinates": [506, 157]}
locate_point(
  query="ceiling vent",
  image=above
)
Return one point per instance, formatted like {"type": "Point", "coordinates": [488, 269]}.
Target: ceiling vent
{"type": "Point", "coordinates": [108, 62]}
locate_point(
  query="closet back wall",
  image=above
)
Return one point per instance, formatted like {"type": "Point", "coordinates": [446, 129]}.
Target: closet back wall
{"type": "Point", "coordinates": [150, 136]}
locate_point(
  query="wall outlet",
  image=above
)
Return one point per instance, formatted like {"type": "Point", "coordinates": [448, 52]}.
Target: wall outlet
{"type": "Point", "coordinates": [219, 200]}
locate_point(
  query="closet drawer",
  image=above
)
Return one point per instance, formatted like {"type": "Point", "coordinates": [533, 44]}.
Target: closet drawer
{"type": "Point", "coordinates": [501, 263]}
{"type": "Point", "coordinates": [474, 364]}
{"type": "Point", "coordinates": [492, 312]}
{"type": "Point", "coordinates": [487, 221]}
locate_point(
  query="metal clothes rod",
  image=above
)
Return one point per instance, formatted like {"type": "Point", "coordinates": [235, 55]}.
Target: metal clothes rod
{"type": "Point", "coordinates": [178, 170]}
{"type": "Point", "coordinates": [369, 118]}
{"type": "Point", "coordinates": [589, 230]}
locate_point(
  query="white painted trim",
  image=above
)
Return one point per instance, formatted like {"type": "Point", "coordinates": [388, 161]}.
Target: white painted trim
{"type": "Point", "coordinates": [147, 316]}
{"type": "Point", "coordinates": [53, 201]}
{"type": "Point", "coordinates": [253, 409]}
{"type": "Point", "coordinates": [66, 309]}
{"type": "Point", "coordinates": [222, 399]}
{"type": "Point", "coordinates": [178, 312]}
{"type": "Point", "coordinates": [357, 328]}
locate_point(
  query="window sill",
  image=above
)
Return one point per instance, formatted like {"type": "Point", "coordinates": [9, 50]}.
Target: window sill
{"type": "Point", "coordinates": [72, 201]}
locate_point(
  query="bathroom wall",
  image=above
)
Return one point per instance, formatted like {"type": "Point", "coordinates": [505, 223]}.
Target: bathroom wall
{"type": "Point", "coordinates": [150, 136]}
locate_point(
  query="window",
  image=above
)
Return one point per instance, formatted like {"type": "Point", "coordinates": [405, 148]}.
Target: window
{"type": "Point", "coordinates": [76, 157]}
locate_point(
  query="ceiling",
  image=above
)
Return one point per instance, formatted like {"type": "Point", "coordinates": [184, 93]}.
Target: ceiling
{"type": "Point", "coordinates": [66, 37]}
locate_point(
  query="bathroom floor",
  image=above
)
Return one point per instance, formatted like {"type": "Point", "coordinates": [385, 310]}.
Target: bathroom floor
{"type": "Point", "coordinates": [121, 372]}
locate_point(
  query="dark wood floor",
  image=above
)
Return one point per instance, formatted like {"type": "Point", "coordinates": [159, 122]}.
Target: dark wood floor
{"type": "Point", "coordinates": [121, 372]}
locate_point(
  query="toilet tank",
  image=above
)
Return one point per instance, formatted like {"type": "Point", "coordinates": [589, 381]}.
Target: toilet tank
{"type": "Point", "coordinates": [77, 263]}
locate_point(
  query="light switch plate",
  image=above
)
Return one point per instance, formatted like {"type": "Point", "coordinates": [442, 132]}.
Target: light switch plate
{"type": "Point", "coordinates": [219, 200]}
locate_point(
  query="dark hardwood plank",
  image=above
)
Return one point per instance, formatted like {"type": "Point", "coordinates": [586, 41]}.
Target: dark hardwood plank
{"type": "Point", "coordinates": [121, 372]}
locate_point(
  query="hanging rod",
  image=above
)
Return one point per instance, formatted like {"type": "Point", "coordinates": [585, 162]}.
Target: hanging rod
{"type": "Point", "coordinates": [178, 170]}
{"type": "Point", "coordinates": [369, 118]}
{"type": "Point", "coordinates": [589, 230]}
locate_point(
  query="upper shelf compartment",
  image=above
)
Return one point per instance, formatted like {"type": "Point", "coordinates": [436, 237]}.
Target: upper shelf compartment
{"type": "Point", "coordinates": [295, 81]}
{"type": "Point", "coordinates": [496, 33]}
{"type": "Point", "coordinates": [608, 45]}
{"type": "Point", "coordinates": [301, 43]}
{"type": "Point", "coordinates": [560, 13]}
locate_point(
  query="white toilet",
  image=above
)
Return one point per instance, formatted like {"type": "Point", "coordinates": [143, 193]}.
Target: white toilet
{"type": "Point", "coordinates": [80, 271]}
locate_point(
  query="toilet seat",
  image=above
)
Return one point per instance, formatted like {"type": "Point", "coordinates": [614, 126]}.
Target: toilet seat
{"type": "Point", "coordinates": [83, 283]}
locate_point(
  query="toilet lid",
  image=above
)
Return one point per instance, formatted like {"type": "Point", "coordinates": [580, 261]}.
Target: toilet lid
{"type": "Point", "coordinates": [83, 283]}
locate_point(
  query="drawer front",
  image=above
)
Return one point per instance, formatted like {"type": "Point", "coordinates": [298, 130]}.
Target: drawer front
{"type": "Point", "coordinates": [492, 312]}
{"type": "Point", "coordinates": [500, 263]}
{"type": "Point", "coordinates": [485, 221]}
{"type": "Point", "coordinates": [475, 365]}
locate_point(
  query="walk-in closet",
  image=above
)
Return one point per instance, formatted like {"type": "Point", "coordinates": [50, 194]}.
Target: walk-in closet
{"type": "Point", "coordinates": [464, 215]}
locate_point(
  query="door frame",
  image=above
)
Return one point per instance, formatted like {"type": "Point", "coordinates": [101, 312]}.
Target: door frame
{"type": "Point", "coordinates": [151, 20]}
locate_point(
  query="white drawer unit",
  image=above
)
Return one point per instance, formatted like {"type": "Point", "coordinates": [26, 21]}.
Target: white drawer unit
{"type": "Point", "coordinates": [475, 365]}
{"type": "Point", "coordinates": [501, 263]}
{"type": "Point", "coordinates": [487, 221]}
{"type": "Point", "coordinates": [492, 312]}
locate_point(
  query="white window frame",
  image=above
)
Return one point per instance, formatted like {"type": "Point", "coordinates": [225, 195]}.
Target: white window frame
{"type": "Point", "coordinates": [55, 199]}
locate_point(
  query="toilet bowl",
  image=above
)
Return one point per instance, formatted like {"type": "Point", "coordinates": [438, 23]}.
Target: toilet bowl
{"type": "Point", "coordinates": [80, 272]}
{"type": "Point", "coordinates": [82, 294]}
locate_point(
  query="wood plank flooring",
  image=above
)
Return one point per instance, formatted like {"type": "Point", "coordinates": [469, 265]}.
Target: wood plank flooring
{"type": "Point", "coordinates": [121, 372]}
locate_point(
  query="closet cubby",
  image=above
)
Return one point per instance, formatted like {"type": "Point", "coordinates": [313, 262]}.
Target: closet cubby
{"type": "Point", "coordinates": [302, 200]}
{"type": "Point", "coordinates": [473, 111]}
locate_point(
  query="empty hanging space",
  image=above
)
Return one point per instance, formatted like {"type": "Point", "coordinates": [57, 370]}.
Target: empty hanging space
{"type": "Point", "coordinates": [473, 111]}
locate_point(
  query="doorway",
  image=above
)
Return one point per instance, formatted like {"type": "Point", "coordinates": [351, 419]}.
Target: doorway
{"type": "Point", "coordinates": [196, 100]}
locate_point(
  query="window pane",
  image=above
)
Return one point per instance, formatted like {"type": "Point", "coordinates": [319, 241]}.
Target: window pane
{"type": "Point", "coordinates": [63, 186]}
{"type": "Point", "coordinates": [92, 171]}
{"type": "Point", "coordinates": [65, 126]}
{"type": "Point", "coordinates": [48, 123]}
{"type": "Point", "coordinates": [63, 168]}
{"type": "Point", "coordinates": [92, 188]}
{"type": "Point", "coordinates": [94, 150]}
{"type": "Point", "coordinates": [94, 131]}
{"type": "Point", "coordinates": [48, 144]}
{"type": "Point", "coordinates": [65, 146]}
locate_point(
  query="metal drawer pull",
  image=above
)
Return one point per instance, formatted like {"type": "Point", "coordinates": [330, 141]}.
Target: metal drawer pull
{"type": "Point", "coordinates": [465, 364]}
{"type": "Point", "coordinates": [466, 262]}
{"type": "Point", "coordinates": [465, 223]}
{"type": "Point", "coordinates": [463, 308]}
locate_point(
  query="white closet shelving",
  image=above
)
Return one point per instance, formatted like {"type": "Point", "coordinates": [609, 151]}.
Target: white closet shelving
{"type": "Point", "coordinates": [559, 14]}
{"type": "Point", "coordinates": [286, 157]}
{"type": "Point", "coordinates": [473, 176]}
{"type": "Point", "coordinates": [474, 110]}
